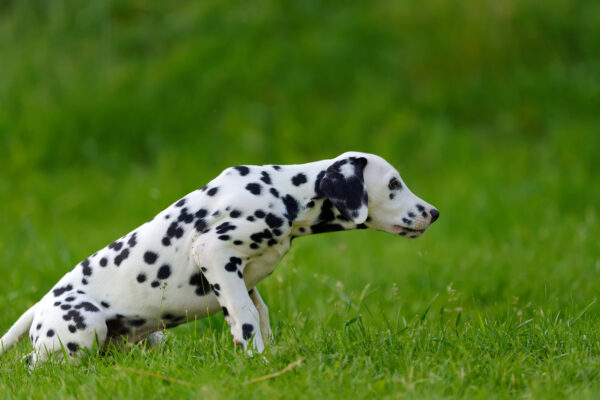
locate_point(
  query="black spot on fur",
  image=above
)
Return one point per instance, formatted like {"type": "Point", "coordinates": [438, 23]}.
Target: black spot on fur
{"type": "Point", "coordinates": [299, 179]}
{"type": "Point", "coordinates": [254, 188]}
{"type": "Point", "coordinates": [273, 221]}
{"type": "Point", "coordinates": [224, 237]}
{"type": "Point", "coordinates": [274, 192]}
{"type": "Point", "coordinates": [225, 312]}
{"type": "Point", "coordinates": [166, 241]}
{"type": "Point", "coordinates": [201, 213]}
{"type": "Point", "coordinates": [276, 167]}
{"type": "Point", "coordinates": [38, 327]}
{"type": "Point", "coordinates": [231, 266]}
{"type": "Point", "coordinates": [259, 214]}
{"type": "Point", "coordinates": [75, 316]}
{"type": "Point", "coordinates": [250, 218]}
{"type": "Point", "coordinates": [136, 322]}
{"type": "Point", "coordinates": [132, 240]}
{"type": "Point", "coordinates": [59, 291]}
{"type": "Point", "coordinates": [104, 304]}
{"type": "Point", "coordinates": [265, 177]}
{"type": "Point", "coordinates": [291, 206]}
{"type": "Point", "coordinates": [200, 225]}
{"type": "Point", "coordinates": [65, 307]}
{"type": "Point", "coordinates": [224, 228]}
{"type": "Point", "coordinates": [257, 237]}
{"type": "Point", "coordinates": [103, 262]}
{"type": "Point", "coordinates": [155, 284]}
{"type": "Point", "coordinates": [242, 169]}
{"type": "Point", "coordinates": [141, 278]}
{"type": "Point", "coordinates": [247, 330]}
{"type": "Point", "coordinates": [116, 246]}
{"type": "Point", "coordinates": [174, 230]}
{"type": "Point", "coordinates": [212, 191]}
{"type": "Point", "coordinates": [72, 328]}
{"type": "Point", "coordinates": [50, 333]}
{"type": "Point", "coordinates": [164, 272]}
{"type": "Point", "coordinates": [85, 267]}
{"type": "Point", "coordinates": [235, 214]}
{"type": "Point", "coordinates": [87, 306]}
{"type": "Point", "coordinates": [325, 227]}
{"type": "Point", "coordinates": [185, 217]}
{"type": "Point", "coordinates": [180, 203]}
{"type": "Point", "coordinates": [238, 242]}
{"type": "Point", "coordinates": [150, 257]}
{"type": "Point", "coordinates": [202, 286]}
{"type": "Point", "coordinates": [116, 327]}
{"type": "Point", "coordinates": [122, 256]}
{"type": "Point", "coordinates": [72, 346]}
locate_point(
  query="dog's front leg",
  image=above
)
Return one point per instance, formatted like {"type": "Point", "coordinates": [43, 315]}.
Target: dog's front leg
{"type": "Point", "coordinates": [224, 273]}
{"type": "Point", "coordinates": [263, 314]}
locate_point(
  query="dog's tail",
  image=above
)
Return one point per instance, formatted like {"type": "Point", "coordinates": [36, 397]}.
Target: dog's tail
{"type": "Point", "coordinates": [18, 329]}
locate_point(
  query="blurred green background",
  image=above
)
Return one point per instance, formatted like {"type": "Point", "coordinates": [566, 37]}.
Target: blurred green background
{"type": "Point", "coordinates": [111, 110]}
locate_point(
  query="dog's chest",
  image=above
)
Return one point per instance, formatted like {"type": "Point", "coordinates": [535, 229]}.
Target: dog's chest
{"type": "Point", "coordinates": [263, 264]}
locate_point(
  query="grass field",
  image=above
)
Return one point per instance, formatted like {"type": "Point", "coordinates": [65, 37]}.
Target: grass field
{"type": "Point", "coordinates": [111, 110]}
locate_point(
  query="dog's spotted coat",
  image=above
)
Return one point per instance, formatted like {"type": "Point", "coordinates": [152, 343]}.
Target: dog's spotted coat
{"type": "Point", "coordinates": [207, 251]}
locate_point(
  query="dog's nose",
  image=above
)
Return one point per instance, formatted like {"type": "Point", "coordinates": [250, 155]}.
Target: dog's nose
{"type": "Point", "coordinates": [435, 214]}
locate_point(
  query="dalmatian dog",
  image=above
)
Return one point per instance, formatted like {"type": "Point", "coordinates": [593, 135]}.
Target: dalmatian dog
{"type": "Point", "coordinates": [207, 252]}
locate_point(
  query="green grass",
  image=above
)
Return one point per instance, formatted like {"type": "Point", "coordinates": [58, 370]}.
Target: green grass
{"type": "Point", "coordinates": [111, 110]}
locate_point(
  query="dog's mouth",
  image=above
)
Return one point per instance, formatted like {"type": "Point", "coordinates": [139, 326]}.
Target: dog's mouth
{"type": "Point", "coordinates": [408, 232]}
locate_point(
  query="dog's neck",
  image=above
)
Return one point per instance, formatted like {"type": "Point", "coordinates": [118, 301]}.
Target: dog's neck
{"type": "Point", "coordinates": [315, 213]}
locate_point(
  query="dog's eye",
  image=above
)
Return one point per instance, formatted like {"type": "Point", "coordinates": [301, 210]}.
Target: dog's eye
{"type": "Point", "coordinates": [395, 184]}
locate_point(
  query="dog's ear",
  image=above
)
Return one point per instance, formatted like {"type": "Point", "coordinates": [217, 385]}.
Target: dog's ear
{"type": "Point", "coordinates": [343, 183]}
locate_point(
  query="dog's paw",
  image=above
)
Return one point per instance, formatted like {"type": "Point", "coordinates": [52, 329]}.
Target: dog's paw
{"type": "Point", "coordinates": [156, 340]}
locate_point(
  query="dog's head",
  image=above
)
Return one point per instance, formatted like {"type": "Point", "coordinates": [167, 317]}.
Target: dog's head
{"type": "Point", "coordinates": [367, 189]}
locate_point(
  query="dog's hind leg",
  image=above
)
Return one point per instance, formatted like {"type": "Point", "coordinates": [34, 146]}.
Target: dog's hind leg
{"type": "Point", "coordinates": [64, 326]}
